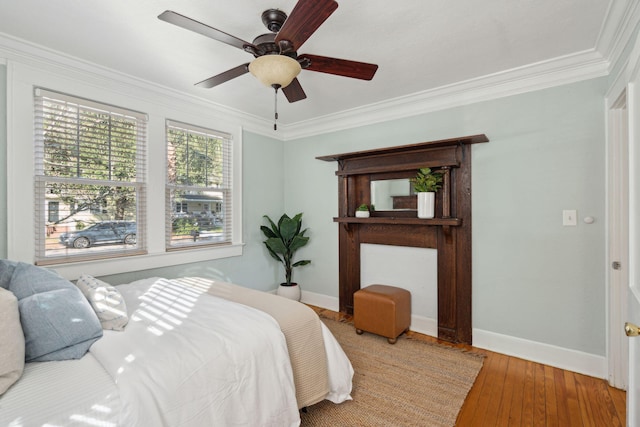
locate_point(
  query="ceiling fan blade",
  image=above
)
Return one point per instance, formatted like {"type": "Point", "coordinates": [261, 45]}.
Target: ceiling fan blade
{"type": "Point", "coordinates": [224, 77]}
{"type": "Point", "coordinates": [304, 20]}
{"type": "Point", "coordinates": [294, 91]}
{"type": "Point", "coordinates": [200, 28]}
{"type": "Point", "coordinates": [339, 67]}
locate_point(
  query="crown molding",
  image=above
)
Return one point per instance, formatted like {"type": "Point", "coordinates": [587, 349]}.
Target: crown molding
{"type": "Point", "coordinates": [49, 60]}
{"type": "Point", "coordinates": [616, 35]}
{"type": "Point", "coordinates": [545, 74]}
{"type": "Point", "coordinates": [618, 28]}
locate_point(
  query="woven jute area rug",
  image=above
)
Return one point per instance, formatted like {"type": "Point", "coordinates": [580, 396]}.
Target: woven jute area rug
{"type": "Point", "coordinates": [411, 383]}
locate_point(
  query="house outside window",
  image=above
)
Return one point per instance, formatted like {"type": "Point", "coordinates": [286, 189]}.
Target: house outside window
{"type": "Point", "coordinates": [53, 212]}
{"type": "Point", "coordinates": [90, 166]}
{"type": "Point", "coordinates": [199, 184]}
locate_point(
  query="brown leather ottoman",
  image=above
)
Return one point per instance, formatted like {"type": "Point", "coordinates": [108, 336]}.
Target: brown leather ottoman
{"type": "Point", "coordinates": [382, 310]}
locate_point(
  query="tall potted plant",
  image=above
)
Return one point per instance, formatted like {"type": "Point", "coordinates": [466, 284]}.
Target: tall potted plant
{"type": "Point", "coordinates": [426, 183]}
{"type": "Point", "coordinates": [283, 240]}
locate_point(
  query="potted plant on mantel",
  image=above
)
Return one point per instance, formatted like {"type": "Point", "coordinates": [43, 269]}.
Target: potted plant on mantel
{"type": "Point", "coordinates": [426, 183]}
{"type": "Point", "coordinates": [283, 240]}
{"type": "Point", "coordinates": [362, 211]}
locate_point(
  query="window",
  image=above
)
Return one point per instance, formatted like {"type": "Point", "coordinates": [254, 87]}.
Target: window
{"type": "Point", "coordinates": [181, 207]}
{"type": "Point", "coordinates": [198, 185]}
{"type": "Point", "coordinates": [89, 178]}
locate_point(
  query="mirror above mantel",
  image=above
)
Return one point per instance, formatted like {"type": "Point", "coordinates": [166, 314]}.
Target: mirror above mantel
{"type": "Point", "coordinates": [392, 195]}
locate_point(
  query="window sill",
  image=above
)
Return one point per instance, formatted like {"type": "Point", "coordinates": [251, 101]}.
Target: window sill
{"type": "Point", "coordinates": [104, 267]}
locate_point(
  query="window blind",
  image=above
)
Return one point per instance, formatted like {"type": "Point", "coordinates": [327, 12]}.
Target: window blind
{"type": "Point", "coordinates": [90, 193]}
{"type": "Point", "coordinates": [198, 189]}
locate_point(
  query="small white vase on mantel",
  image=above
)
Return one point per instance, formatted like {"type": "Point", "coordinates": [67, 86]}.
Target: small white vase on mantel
{"type": "Point", "coordinates": [426, 204]}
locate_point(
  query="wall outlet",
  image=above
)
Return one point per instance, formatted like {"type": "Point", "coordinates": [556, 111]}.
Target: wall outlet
{"type": "Point", "coordinates": [569, 218]}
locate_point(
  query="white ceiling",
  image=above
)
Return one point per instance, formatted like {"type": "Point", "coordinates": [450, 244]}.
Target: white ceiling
{"type": "Point", "coordinates": [419, 45]}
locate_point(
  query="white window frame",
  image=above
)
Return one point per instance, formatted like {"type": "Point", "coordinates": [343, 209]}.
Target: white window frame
{"type": "Point", "coordinates": [226, 188]}
{"type": "Point", "coordinates": [23, 75]}
{"type": "Point", "coordinates": [139, 184]}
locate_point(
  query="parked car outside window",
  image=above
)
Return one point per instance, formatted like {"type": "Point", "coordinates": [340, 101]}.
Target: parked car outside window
{"type": "Point", "coordinates": [102, 232]}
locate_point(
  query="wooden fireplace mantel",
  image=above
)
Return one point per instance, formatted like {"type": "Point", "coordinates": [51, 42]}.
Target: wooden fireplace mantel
{"type": "Point", "coordinates": [449, 232]}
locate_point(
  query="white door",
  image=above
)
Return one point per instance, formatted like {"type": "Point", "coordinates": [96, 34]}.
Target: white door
{"type": "Point", "coordinates": [633, 314]}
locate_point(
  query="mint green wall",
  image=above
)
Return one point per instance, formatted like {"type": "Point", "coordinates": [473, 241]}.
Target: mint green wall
{"type": "Point", "coordinates": [3, 161]}
{"type": "Point", "coordinates": [262, 195]}
{"type": "Point", "coordinates": [532, 277]}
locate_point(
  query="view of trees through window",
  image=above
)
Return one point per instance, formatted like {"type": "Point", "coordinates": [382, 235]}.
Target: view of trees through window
{"type": "Point", "coordinates": [197, 184]}
{"type": "Point", "coordinates": [90, 196]}
{"type": "Point", "coordinates": [87, 171]}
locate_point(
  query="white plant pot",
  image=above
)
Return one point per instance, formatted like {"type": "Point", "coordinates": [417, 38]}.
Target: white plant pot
{"type": "Point", "coordinates": [291, 292]}
{"type": "Point", "coordinates": [362, 214]}
{"type": "Point", "coordinates": [426, 205]}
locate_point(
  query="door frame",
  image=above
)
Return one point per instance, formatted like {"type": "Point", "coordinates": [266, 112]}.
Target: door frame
{"type": "Point", "coordinates": [617, 238]}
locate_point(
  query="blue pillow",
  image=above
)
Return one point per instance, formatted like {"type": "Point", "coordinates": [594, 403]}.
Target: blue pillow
{"type": "Point", "coordinates": [57, 320]}
{"type": "Point", "coordinates": [6, 271]}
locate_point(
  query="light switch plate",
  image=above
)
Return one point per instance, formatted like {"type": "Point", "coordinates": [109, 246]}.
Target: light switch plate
{"type": "Point", "coordinates": [569, 218]}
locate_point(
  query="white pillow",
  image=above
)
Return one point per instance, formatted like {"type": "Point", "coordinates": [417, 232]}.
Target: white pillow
{"type": "Point", "coordinates": [11, 340]}
{"type": "Point", "coordinates": [106, 301]}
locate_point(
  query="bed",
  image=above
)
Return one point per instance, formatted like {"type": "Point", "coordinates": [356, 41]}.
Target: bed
{"type": "Point", "coordinates": [180, 352]}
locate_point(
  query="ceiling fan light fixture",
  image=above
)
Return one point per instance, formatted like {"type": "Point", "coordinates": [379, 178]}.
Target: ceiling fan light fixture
{"type": "Point", "coordinates": [275, 69]}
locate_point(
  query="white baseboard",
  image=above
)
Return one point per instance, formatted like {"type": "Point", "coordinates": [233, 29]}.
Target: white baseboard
{"type": "Point", "coordinates": [319, 300]}
{"type": "Point", "coordinates": [559, 357]}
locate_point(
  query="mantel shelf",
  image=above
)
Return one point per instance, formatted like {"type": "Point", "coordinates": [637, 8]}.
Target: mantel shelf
{"type": "Point", "coordinates": [452, 222]}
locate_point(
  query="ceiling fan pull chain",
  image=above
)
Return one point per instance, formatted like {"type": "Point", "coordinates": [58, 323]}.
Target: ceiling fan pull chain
{"type": "Point", "coordinates": [275, 107]}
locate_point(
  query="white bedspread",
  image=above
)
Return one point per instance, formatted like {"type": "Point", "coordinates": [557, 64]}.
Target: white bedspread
{"type": "Point", "coordinates": [186, 371]}
{"type": "Point", "coordinates": [194, 362]}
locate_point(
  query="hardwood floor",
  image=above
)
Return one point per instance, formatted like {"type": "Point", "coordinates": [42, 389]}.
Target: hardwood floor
{"type": "Point", "coordinates": [514, 392]}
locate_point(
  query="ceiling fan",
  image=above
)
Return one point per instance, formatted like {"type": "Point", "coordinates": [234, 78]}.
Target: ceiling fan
{"type": "Point", "coordinates": [277, 61]}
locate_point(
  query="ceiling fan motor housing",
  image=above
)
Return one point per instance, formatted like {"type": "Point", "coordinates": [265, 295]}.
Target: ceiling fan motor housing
{"type": "Point", "coordinates": [273, 19]}
{"type": "Point", "coordinates": [265, 45]}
